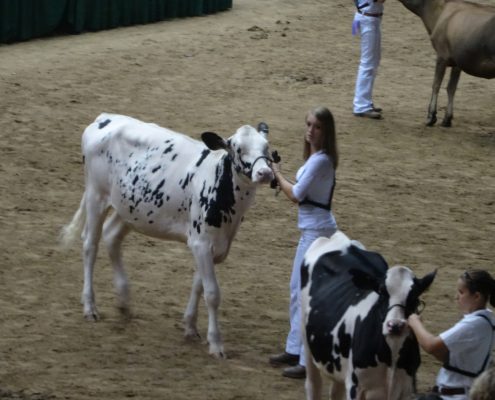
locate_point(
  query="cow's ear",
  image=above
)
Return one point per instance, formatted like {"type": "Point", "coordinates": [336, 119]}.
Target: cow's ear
{"type": "Point", "coordinates": [263, 129]}
{"type": "Point", "coordinates": [364, 281]}
{"type": "Point", "coordinates": [213, 141]}
{"type": "Point", "coordinates": [425, 282]}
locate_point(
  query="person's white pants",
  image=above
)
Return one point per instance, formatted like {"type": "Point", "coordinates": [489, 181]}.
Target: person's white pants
{"type": "Point", "coordinates": [295, 343]}
{"type": "Point", "coordinates": [369, 28]}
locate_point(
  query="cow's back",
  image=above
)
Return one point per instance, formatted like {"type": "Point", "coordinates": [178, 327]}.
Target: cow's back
{"type": "Point", "coordinates": [144, 171]}
{"type": "Point", "coordinates": [465, 35]}
{"type": "Point", "coordinates": [337, 305]}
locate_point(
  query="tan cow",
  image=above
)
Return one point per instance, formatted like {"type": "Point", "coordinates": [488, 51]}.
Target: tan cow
{"type": "Point", "coordinates": [463, 35]}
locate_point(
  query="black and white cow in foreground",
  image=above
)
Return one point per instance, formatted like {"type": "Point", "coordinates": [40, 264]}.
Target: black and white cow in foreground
{"type": "Point", "coordinates": [139, 176]}
{"type": "Point", "coordinates": [354, 321]}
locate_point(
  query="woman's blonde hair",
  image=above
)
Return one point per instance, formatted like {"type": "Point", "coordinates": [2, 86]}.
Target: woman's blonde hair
{"type": "Point", "coordinates": [329, 145]}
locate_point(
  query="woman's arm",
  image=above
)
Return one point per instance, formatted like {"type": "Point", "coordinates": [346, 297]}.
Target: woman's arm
{"type": "Point", "coordinates": [430, 343]}
{"type": "Point", "coordinates": [285, 184]}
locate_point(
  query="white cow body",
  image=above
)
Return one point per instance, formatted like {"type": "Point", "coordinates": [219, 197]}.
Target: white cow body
{"type": "Point", "coordinates": [166, 185]}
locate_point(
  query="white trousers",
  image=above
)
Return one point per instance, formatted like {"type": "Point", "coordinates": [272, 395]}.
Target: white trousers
{"type": "Point", "coordinates": [369, 28]}
{"type": "Point", "coordinates": [295, 343]}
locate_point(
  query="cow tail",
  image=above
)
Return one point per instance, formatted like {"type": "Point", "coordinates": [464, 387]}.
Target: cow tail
{"type": "Point", "coordinates": [73, 229]}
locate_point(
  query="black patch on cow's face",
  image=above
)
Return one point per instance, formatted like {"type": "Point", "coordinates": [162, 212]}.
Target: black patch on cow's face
{"type": "Point", "coordinates": [418, 288]}
{"type": "Point", "coordinates": [101, 125]}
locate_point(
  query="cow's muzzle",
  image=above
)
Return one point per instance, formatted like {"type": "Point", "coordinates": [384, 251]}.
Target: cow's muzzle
{"type": "Point", "coordinates": [262, 175]}
{"type": "Point", "coordinates": [395, 326]}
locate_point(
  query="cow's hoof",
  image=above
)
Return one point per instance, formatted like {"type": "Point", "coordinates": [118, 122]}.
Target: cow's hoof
{"type": "Point", "coordinates": [219, 355]}
{"type": "Point", "coordinates": [125, 312]}
{"type": "Point", "coordinates": [192, 335]}
{"type": "Point", "coordinates": [447, 123]}
{"type": "Point", "coordinates": [431, 122]}
{"type": "Point", "coordinates": [217, 352]}
{"type": "Point", "coordinates": [91, 316]}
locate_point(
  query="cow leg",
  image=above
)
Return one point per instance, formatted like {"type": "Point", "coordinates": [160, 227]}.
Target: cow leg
{"type": "Point", "coordinates": [440, 67]}
{"type": "Point", "coordinates": [206, 268]}
{"type": "Point", "coordinates": [313, 384]}
{"type": "Point", "coordinates": [95, 215]}
{"type": "Point", "coordinates": [455, 73]}
{"type": "Point", "coordinates": [114, 232]}
{"type": "Point", "coordinates": [191, 313]}
{"type": "Point", "coordinates": [337, 391]}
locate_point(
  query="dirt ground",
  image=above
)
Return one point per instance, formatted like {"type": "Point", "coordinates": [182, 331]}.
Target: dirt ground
{"type": "Point", "coordinates": [423, 197]}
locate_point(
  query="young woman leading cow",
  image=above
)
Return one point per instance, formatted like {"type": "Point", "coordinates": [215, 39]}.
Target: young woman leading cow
{"type": "Point", "coordinates": [313, 191]}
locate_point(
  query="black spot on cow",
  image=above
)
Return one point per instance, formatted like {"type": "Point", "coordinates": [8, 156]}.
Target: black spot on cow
{"type": "Point", "coordinates": [135, 180]}
{"type": "Point", "coordinates": [186, 181]}
{"type": "Point", "coordinates": [156, 169]}
{"type": "Point", "coordinates": [409, 356]}
{"type": "Point", "coordinates": [174, 156]}
{"type": "Point", "coordinates": [168, 149]}
{"type": "Point", "coordinates": [220, 206]}
{"type": "Point", "coordinates": [101, 125]}
{"type": "Point", "coordinates": [204, 154]}
{"type": "Point", "coordinates": [353, 391]}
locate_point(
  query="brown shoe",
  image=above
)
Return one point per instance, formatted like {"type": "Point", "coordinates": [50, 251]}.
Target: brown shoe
{"type": "Point", "coordinates": [297, 372]}
{"type": "Point", "coordinates": [284, 359]}
{"type": "Point", "coordinates": [369, 114]}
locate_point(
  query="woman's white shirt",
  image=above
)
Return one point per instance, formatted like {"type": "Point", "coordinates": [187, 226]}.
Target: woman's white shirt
{"type": "Point", "coordinates": [315, 180]}
{"type": "Point", "coordinates": [469, 342]}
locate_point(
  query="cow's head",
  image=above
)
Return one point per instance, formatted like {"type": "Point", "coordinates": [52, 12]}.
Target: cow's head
{"type": "Point", "coordinates": [400, 292]}
{"type": "Point", "coordinates": [403, 290]}
{"type": "Point", "coordinates": [248, 150]}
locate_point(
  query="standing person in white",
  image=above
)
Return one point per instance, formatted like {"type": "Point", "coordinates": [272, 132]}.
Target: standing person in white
{"type": "Point", "coordinates": [367, 23]}
{"type": "Point", "coordinates": [464, 349]}
{"type": "Point", "coordinates": [313, 192]}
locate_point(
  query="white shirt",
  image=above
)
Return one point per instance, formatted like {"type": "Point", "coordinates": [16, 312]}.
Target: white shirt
{"type": "Point", "coordinates": [469, 342]}
{"type": "Point", "coordinates": [315, 180]}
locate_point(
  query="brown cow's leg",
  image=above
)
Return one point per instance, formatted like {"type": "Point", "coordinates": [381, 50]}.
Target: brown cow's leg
{"type": "Point", "coordinates": [451, 88]}
{"type": "Point", "coordinates": [440, 67]}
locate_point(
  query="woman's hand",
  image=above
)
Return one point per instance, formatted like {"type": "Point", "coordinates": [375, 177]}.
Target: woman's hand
{"type": "Point", "coordinates": [276, 168]}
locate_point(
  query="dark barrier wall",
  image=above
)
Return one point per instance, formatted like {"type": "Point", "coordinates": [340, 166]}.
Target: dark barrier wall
{"type": "Point", "coordinates": [27, 19]}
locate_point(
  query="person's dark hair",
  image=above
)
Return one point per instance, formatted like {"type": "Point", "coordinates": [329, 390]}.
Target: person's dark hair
{"type": "Point", "coordinates": [329, 145]}
{"type": "Point", "coordinates": [478, 280]}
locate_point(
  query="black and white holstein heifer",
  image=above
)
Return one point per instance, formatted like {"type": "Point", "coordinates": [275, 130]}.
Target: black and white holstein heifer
{"type": "Point", "coordinates": [139, 176]}
{"type": "Point", "coordinates": [354, 321]}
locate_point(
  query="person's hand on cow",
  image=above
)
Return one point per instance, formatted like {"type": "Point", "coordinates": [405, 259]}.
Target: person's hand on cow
{"type": "Point", "coordinates": [413, 320]}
